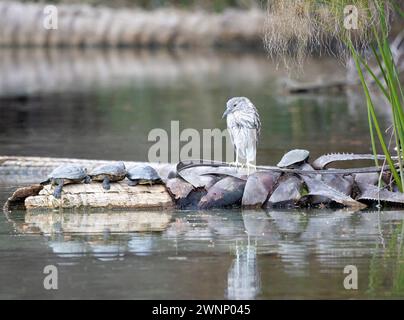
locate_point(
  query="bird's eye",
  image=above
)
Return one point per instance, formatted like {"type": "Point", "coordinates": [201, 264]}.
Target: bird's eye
{"type": "Point", "coordinates": [234, 105]}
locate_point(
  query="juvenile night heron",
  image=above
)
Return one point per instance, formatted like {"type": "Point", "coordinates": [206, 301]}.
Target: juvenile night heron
{"type": "Point", "coordinates": [243, 123]}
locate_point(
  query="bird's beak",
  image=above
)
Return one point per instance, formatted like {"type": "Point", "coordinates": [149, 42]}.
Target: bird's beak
{"type": "Point", "coordinates": [225, 113]}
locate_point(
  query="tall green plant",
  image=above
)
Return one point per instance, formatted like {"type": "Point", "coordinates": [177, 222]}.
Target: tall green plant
{"type": "Point", "coordinates": [389, 86]}
{"type": "Point", "coordinates": [301, 24]}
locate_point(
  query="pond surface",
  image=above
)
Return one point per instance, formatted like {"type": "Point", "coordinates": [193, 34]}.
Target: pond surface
{"type": "Point", "coordinates": [102, 105]}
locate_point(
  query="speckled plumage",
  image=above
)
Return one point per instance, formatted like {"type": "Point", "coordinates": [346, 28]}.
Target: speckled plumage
{"type": "Point", "coordinates": [243, 124]}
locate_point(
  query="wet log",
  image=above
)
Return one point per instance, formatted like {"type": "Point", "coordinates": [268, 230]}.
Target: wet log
{"type": "Point", "coordinates": [16, 201]}
{"type": "Point", "coordinates": [318, 86]}
{"type": "Point", "coordinates": [120, 196]}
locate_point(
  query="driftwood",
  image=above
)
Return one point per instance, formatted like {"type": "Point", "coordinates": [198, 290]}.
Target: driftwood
{"type": "Point", "coordinates": [24, 170]}
{"type": "Point", "coordinates": [18, 197]}
{"type": "Point", "coordinates": [120, 196]}
{"type": "Point", "coordinates": [316, 86]}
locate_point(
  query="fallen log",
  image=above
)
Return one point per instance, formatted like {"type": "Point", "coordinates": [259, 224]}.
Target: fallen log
{"type": "Point", "coordinates": [336, 86]}
{"type": "Point", "coordinates": [32, 170]}
{"type": "Point", "coordinates": [17, 199]}
{"type": "Point", "coordinates": [120, 196]}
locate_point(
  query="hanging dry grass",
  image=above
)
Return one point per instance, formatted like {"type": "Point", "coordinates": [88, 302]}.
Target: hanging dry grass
{"type": "Point", "coordinates": [300, 27]}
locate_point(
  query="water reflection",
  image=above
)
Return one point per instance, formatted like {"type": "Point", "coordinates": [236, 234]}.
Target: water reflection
{"type": "Point", "coordinates": [39, 72]}
{"type": "Point", "coordinates": [267, 249]}
{"type": "Point", "coordinates": [141, 245]}
{"type": "Point", "coordinates": [243, 280]}
{"type": "Point", "coordinates": [93, 222]}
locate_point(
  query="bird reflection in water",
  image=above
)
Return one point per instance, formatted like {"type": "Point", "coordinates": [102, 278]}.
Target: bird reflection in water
{"type": "Point", "coordinates": [243, 280]}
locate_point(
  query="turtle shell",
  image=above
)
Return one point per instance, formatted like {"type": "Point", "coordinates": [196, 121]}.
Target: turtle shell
{"type": "Point", "coordinates": [70, 172]}
{"type": "Point", "coordinates": [115, 172]}
{"type": "Point", "coordinates": [143, 172]}
{"type": "Point", "coordinates": [292, 157]}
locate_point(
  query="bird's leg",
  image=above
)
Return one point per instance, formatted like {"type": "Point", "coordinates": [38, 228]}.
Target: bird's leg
{"type": "Point", "coordinates": [250, 166]}
{"type": "Point", "coordinates": [236, 163]}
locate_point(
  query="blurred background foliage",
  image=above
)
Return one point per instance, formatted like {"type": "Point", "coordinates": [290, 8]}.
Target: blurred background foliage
{"type": "Point", "coordinates": [211, 5]}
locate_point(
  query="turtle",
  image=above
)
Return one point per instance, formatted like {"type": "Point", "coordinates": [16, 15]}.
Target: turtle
{"type": "Point", "coordinates": [293, 157]}
{"type": "Point", "coordinates": [143, 174]}
{"type": "Point", "coordinates": [226, 192]}
{"type": "Point", "coordinates": [109, 173]}
{"type": "Point", "coordinates": [66, 174]}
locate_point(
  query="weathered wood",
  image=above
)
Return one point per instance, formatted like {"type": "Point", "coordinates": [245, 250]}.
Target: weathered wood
{"type": "Point", "coordinates": [18, 197]}
{"type": "Point", "coordinates": [318, 86]}
{"type": "Point", "coordinates": [120, 196]}
{"type": "Point", "coordinates": [36, 169]}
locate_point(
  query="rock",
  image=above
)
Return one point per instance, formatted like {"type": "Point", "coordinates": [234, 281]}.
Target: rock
{"type": "Point", "coordinates": [179, 188]}
{"type": "Point", "coordinates": [288, 192]}
{"type": "Point", "coordinates": [367, 178]}
{"type": "Point", "coordinates": [225, 192]}
{"type": "Point", "coordinates": [185, 195]}
{"type": "Point", "coordinates": [258, 187]}
{"type": "Point", "coordinates": [373, 193]}
{"type": "Point", "coordinates": [338, 182]}
{"type": "Point", "coordinates": [319, 188]}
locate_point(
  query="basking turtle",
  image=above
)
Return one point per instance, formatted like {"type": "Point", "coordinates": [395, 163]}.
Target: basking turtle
{"type": "Point", "coordinates": [66, 174]}
{"type": "Point", "coordinates": [143, 174]}
{"type": "Point", "coordinates": [109, 173]}
{"type": "Point", "coordinates": [293, 157]}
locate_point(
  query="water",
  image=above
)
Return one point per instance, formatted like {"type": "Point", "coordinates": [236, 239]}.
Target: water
{"type": "Point", "coordinates": [102, 104]}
